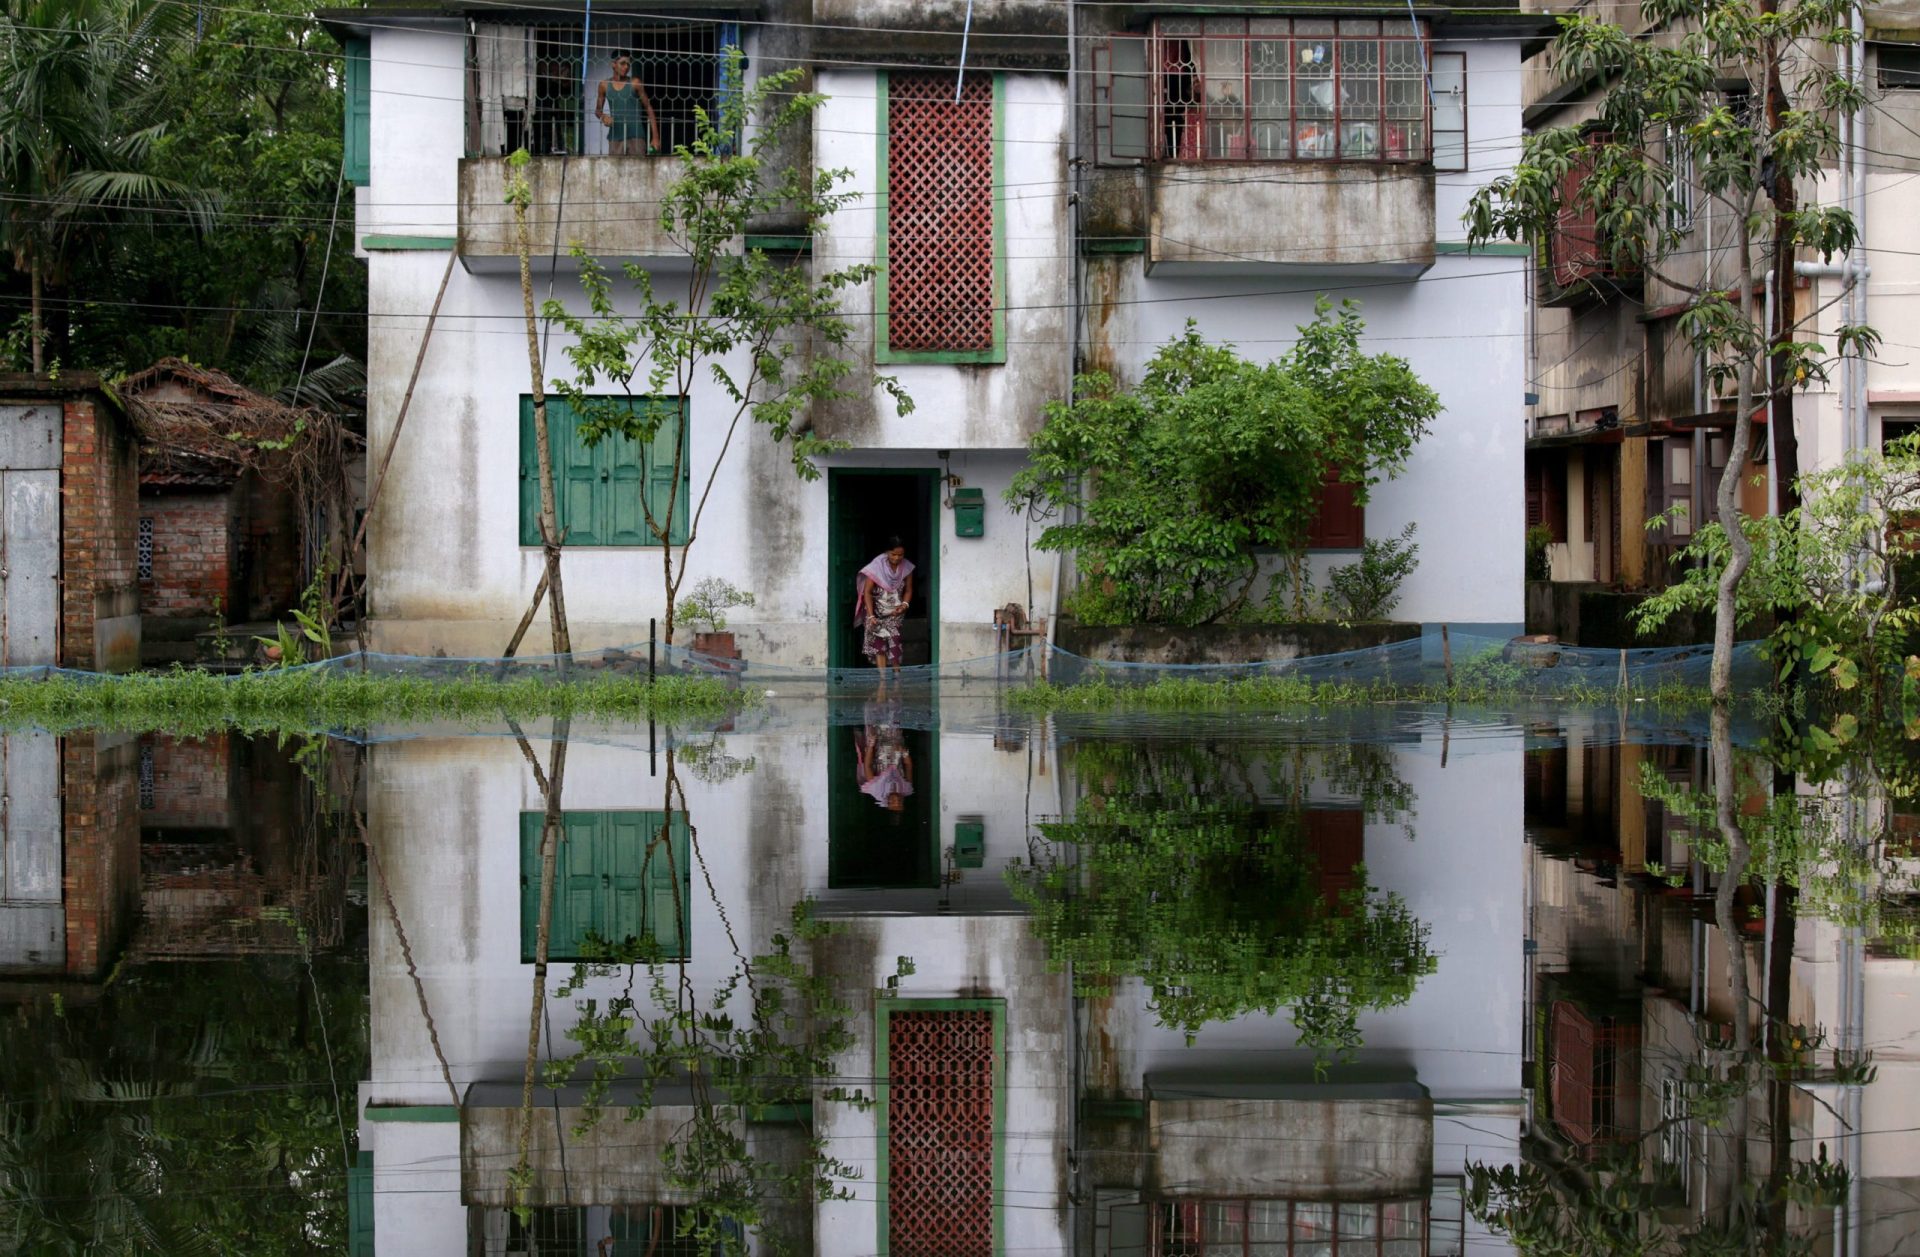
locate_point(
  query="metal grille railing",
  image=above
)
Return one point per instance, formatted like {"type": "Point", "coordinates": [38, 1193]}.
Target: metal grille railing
{"type": "Point", "coordinates": [538, 85]}
{"type": "Point", "coordinates": [1277, 89]}
{"type": "Point", "coordinates": [940, 274]}
{"type": "Point", "coordinates": [940, 1132]}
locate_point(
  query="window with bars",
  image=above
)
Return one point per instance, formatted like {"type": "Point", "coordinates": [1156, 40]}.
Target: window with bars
{"type": "Point", "coordinates": [1273, 89]}
{"type": "Point", "coordinates": [942, 232]}
{"type": "Point", "coordinates": [1290, 1228]}
{"type": "Point", "coordinates": [537, 85]}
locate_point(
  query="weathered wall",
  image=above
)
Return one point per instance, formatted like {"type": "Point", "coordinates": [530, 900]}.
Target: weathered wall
{"type": "Point", "coordinates": [192, 782]}
{"type": "Point", "coordinates": [101, 832]}
{"type": "Point", "coordinates": [1225, 643]}
{"type": "Point", "coordinates": [608, 204]}
{"type": "Point", "coordinates": [1357, 1147]}
{"type": "Point", "coordinates": [192, 556]}
{"type": "Point", "coordinates": [100, 487]}
{"type": "Point", "coordinates": [1357, 217]}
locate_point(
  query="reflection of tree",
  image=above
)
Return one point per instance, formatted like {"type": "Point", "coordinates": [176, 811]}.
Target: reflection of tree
{"type": "Point", "coordinates": [188, 1110]}
{"type": "Point", "coordinates": [748, 1050]}
{"type": "Point", "coordinates": [1194, 869]}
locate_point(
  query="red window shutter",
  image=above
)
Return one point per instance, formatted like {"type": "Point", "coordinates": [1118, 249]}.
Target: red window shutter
{"type": "Point", "coordinates": [1336, 840]}
{"type": "Point", "coordinates": [1341, 523]}
{"type": "Point", "coordinates": [940, 290]}
{"type": "Point", "coordinates": [940, 1132]}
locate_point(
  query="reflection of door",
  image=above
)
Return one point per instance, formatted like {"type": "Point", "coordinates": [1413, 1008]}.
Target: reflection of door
{"type": "Point", "coordinates": [864, 510]}
{"type": "Point", "coordinates": [29, 534]}
{"type": "Point", "coordinates": [880, 837]}
{"type": "Point", "coordinates": [33, 932]}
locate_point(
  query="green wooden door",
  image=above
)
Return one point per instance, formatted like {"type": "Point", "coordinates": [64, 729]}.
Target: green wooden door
{"type": "Point", "coordinates": [615, 883]}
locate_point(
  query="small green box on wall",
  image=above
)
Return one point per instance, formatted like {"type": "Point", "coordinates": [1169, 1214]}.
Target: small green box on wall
{"type": "Point", "coordinates": [969, 513]}
{"type": "Point", "coordinates": [969, 842]}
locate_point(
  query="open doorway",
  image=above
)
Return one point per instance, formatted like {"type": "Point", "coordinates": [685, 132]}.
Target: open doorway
{"type": "Point", "coordinates": [864, 509]}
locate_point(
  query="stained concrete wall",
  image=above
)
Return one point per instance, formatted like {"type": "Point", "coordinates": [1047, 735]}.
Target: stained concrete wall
{"type": "Point", "coordinates": [1354, 1147]}
{"type": "Point", "coordinates": [1360, 218]}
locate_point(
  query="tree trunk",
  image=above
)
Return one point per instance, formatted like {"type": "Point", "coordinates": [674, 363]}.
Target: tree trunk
{"type": "Point", "coordinates": [1739, 549]}
{"type": "Point", "coordinates": [1786, 441]}
{"type": "Point", "coordinates": [1727, 820]}
{"type": "Point", "coordinates": [549, 514]}
{"type": "Point", "coordinates": [37, 328]}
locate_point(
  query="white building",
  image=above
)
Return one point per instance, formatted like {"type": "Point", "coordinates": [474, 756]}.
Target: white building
{"type": "Point", "coordinates": [1076, 207]}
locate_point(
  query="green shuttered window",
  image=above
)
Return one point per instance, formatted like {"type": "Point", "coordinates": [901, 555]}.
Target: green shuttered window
{"type": "Point", "coordinates": [615, 881]}
{"type": "Point", "coordinates": [598, 489]}
{"type": "Point", "coordinates": [359, 113]}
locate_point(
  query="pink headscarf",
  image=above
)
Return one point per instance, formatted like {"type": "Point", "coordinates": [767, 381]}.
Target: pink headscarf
{"type": "Point", "coordinates": [886, 575]}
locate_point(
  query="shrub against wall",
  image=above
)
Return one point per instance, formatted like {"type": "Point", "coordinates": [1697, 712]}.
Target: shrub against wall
{"type": "Point", "coordinates": [1167, 491]}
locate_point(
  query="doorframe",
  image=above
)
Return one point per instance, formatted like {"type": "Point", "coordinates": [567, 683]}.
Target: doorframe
{"type": "Point", "coordinates": [839, 607]}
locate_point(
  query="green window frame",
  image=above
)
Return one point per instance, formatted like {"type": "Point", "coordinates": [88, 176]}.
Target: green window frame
{"type": "Point", "coordinates": [882, 353]}
{"type": "Point", "coordinates": [884, 1008]}
{"type": "Point", "coordinates": [360, 1240]}
{"type": "Point", "coordinates": [598, 488]}
{"type": "Point", "coordinates": [357, 140]}
{"type": "Point", "coordinates": [615, 881]}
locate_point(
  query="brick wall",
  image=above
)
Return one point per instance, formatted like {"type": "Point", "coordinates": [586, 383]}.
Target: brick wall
{"type": "Point", "coordinates": [100, 502]}
{"type": "Point", "coordinates": [192, 555]}
{"type": "Point", "coordinates": [271, 536]}
{"type": "Point", "coordinates": [101, 839]}
{"type": "Point", "coordinates": [191, 783]}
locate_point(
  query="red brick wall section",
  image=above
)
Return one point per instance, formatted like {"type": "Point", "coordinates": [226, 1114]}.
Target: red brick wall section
{"type": "Point", "coordinates": [190, 783]}
{"type": "Point", "coordinates": [191, 558]}
{"type": "Point", "coordinates": [100, 492]}
{"type": "Point", "coordinates": [101, 878]}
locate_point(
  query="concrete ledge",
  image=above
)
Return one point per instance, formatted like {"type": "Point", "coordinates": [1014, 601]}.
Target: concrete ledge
{"type": "Point", "coordinates": [1225, 643]}
{"type": "Point", "coordinates": [1233, 218]}
{"type": "Point", "coordinates": [1346, 1146]}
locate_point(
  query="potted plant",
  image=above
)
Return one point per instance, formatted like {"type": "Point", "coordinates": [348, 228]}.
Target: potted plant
{"type": "Point", "coordinates": [707, 605]}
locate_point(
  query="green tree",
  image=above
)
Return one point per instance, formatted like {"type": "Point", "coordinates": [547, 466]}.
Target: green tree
{"type": "Point", "coordinates": [1662, 111]}
{"type": "Point", "coordinates": [768, 333]}
{"type": "Point", "coordinates": [1168, 491]}
{"type": "Point", "coordinates": [80, 82]}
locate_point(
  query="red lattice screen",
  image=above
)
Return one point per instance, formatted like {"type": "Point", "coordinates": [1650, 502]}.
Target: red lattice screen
{"type": "Point", "coordinates": [939, 213]}
{"type": "Point", "coordinates": [940, 1133]}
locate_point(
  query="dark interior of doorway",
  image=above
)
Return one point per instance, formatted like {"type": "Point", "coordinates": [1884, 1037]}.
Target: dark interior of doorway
{"type": "Point", "coordinates": [879, 840]}
{"type": "Point", "coordinates": [864, 509]}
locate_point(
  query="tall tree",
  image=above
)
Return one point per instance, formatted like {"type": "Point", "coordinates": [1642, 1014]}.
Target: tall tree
{"type": "Point", "coordinates": [766, 332]}
{"type": "Point", "coordinates": [79, 83]}
{"type": "Point", "coordinates": [1661, 113]}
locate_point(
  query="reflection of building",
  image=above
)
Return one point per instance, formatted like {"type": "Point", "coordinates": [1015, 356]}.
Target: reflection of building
{"type": "Point", "coordinates": [1633, 1002]}
{"type": "Point", "coordinates": [964, 1047]}
{"type": "Point", "coordinates": [1232, 1140]}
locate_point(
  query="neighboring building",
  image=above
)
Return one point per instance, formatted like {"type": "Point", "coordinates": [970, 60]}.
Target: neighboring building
{"type": "Point", "coordinates": [220, 533]}
{"type": "Point", "coordinates": [1046, 210]}
{"type": "Point", "coordinates": [1625, 423]}
{"type": "Point", "coordinates": [68, 481]}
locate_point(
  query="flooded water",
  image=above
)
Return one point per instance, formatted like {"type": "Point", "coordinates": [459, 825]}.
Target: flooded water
{"type": "Point", "coordinates": [924, 978]}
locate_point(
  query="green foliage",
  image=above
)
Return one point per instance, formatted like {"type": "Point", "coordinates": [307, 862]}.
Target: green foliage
{"type": "Point", "coordinates": [1168, 491]}
{"type": "Point", "coordinates": [710, 601]}
{"type": "Point", "coordinates": [770, 335]}
{"type": "Point", "coordinates": [1833, 573]}
{"type": "Point", "coordinates": [1205, 888]}
{"type": "Point", "coordinates": [187, 162]}
{"type": "Point", "coordinates": [189, 1109]}
{"type": "Point", "coordinates": [1370, 588]}
{"type": "Point", "coordinates": [1539, 567]}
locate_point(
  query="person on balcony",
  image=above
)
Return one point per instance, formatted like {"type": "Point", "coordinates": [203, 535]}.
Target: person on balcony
{"type": "Point", "coordinates": [620, 106]}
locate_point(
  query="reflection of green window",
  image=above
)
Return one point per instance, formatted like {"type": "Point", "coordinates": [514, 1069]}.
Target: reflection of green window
{"type": "Point", "coordinates": [360, 1206]}
{"type": "Point", "coordinates": [617, 881]}
{"type": "Point", "coordinates": [605, 493]}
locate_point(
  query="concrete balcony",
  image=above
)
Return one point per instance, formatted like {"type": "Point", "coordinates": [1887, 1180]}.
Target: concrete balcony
{"type": "Point", "coordinates": [1353, 218]}
{"type": "Point", "coordinates": [609, 204]}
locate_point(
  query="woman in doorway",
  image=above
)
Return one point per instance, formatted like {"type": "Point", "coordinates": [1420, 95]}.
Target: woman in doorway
{"type": "Point", "coordinates": [621, 103]}
{"type": "Point", "coordinates": [883, 767]}
{"type": "Point", "coordinates": [884, 591]}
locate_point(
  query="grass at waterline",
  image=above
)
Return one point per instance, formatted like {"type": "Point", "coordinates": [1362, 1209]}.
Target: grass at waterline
{"type": "Point", "coordinates": [1254, 693]}
{"type": "Point", "coordinates": [187, 701]}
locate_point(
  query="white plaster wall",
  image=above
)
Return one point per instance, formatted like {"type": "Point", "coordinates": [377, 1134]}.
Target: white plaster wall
{"type": "Point", "coordinates": [417, 136]}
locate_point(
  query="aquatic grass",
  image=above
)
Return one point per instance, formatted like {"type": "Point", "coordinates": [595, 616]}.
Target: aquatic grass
{"type": "Point", "coordinates": [186, 701]}
{"type": "Point", "coordinates": [1255, 693]}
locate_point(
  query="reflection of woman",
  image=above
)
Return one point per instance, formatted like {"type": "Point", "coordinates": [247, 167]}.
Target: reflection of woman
{"type": "Point", "coordinates": [884, 591]}
{"type": "Point", "coordinates": [621, 103]}
{"type": "Point", "coordinates": [882, 763]}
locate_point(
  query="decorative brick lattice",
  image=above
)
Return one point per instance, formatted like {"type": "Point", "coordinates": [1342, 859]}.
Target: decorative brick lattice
{"type": "Point", "coordinates": [940, 1133]}
{"type": "Point", "coordinates": [143, 549]}
{"type": "Point", "coordinates": [939, 213]}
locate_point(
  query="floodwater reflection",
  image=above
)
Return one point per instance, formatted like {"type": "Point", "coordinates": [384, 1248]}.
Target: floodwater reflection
{"type": "Point", "coordinates": [886, 977]}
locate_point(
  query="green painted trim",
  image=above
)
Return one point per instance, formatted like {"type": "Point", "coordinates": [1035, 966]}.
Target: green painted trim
{"type": "Point", "coordinates": [1112, 244]}
{"type": "Point", "coordinates": [397, 244]}
{"type": "Point", "coordinates": [1457, 247]}
{"type": "Point", "coordinates": [884, 1005]}
{"type": "Point", "coordinates": [800, 1112]}
{"type": "Point", "coordinates": [412, 1113]}
{"type": "Point", "coordinates": [952, 357]}
{"type": "Point", "coordinates": [1113, 1110]}
{"type": "Point", "coordinates": [782, 244]}
{"type": "Point", "coordinates": [356, 154]}
{"type": "Point", "coordinates": [839, 614]}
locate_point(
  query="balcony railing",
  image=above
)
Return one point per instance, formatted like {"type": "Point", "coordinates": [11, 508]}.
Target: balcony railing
{"type": "Point", "coordinates": [540, 85]}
